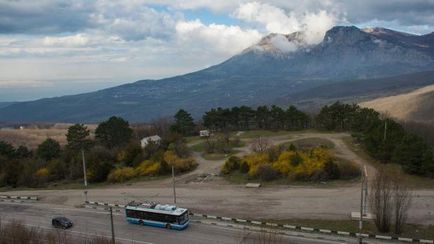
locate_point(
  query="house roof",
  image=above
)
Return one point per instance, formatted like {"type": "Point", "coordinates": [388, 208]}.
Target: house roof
{"type": "Point", "coordinates": [152, 138]}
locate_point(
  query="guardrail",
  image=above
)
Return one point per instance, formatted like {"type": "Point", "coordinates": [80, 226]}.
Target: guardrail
{"type": "Point", "coordinates": [282, 226]}
{"type": "Point", "coordinates": [8, 198]}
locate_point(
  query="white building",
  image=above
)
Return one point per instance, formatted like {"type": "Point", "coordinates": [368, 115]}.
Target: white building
{"type": "Point", "coordinates": [145, 141]}
{"type": "Point", "coordinates": [204, 133]}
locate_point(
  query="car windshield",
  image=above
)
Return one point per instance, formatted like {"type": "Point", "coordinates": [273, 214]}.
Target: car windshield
{"type": "Point", "coordinates": [63, 219]}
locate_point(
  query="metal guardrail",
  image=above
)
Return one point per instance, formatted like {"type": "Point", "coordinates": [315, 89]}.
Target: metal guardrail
{"type": "Point", "coordinates": [13, 198]}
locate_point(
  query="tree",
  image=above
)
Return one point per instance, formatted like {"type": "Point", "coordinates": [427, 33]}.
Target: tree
{"type": "Point", "coordinates": [402, 198]}
{"type": "Point", "coordinates": [410, 154]}
{"type": "Point", "coordinates": [114, 132]}
{"type": "Point", "coordinates": [77, 137]}
{"type": "Point", "coordinates": [381, 200]}
{"type": "Point", "coordinates": [184, 123]}
{"type": "Point", "coordinates": [23, 152]}
{"type": "Point", "coordinates": [260, 144]}
{"type": "Point", "coordinates": [48, 149]}
{"type": "Point", "coordinates": [6, 149]}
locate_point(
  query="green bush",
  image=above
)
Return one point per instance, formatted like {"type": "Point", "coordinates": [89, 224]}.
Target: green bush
{"type": "Point", "coordinates": [231, 164]}
{"type": "Point", "coordinates": [348, 170]}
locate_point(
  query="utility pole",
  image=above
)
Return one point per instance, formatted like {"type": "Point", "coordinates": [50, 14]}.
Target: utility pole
{"type": "Point", "coordinates": [113, 229]}
{"type": "Point", "coordinates": [385, 129]}
{"type": "Point", "coordinates": [84, 174]}
{"type": "Point", "coordinates": [173, 181]}
{"type": "Point", "coordinates": [363, 195]}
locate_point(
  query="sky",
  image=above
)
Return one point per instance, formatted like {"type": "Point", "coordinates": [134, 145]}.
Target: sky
{"type": "Point", "coordinates": [57, 47]}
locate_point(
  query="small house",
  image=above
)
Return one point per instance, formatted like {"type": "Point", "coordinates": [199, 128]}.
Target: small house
{"type": "Point", "coordinates": [145, 141]}
{"type": "Point", "coordinates": [204, 133]}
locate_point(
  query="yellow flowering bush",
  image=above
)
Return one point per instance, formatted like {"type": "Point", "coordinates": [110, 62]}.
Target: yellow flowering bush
{"type": "Point", "coordinates": [121, 174]}
{"type": "Point", "coordinates": [147, 167]}
{"type": "Point", "coordinates": [314, 164]}
{"type": "Point", "coordinates": [180, 164]}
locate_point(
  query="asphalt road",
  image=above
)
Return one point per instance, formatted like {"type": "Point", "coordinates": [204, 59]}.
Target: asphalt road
{"type": "Point", "coordinates": [89, 222]}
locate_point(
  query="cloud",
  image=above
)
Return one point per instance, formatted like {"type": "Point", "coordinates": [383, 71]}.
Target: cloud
{"type": "Point", "coordinates": [277, 20]}
{"type": "Point", "coordinates": [223, 39]}
{"type": "Point", "coordinates": [44, 16]}
{"type": "Point", "coordinates": [281, 43]}
{"type": "Point", "coordinates": [133, 20]}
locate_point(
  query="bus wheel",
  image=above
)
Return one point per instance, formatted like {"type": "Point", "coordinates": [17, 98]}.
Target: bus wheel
{"type": "Point", "coordinates": [141, 222]}
{"type": "Point", "coordinates": [167, 226]}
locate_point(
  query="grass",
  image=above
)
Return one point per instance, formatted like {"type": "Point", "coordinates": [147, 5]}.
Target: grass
{"type": "Point", "coordinates": [414, 181]}
{"type": "Point", "coordinates": [410, 230]}
{"type": "Point", "coordinates": [266, 133]}
{"type": "Point", "coordinates": [308, 143]}
{"type": "Point", "coordinates": [201, 146]}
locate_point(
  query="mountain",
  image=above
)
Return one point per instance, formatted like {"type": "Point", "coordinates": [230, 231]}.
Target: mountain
{"type": "Point", "coordinates": [5, 104]}
{"type": "Point", "coordinates": [357, 90]}
{"type": "Point", "coordinates": [417, 105]}
{"type": "Point", "coordinates": [278, 66]}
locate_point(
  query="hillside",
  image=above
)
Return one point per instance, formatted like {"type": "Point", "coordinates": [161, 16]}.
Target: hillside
{"type": "Point", "coordinates": [279, 66]}
{"type": "Point", "coordinates": [358, 90]}
{"type": "Point", "coordinates": [417, 105]}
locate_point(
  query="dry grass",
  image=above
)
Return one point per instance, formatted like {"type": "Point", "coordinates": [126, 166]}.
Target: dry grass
{"type": "Point", "coordinates": [14, 232]}
{"type": "Point", "coordinates": [32, 136]}
{"type": "Point", "coordinates": [406, 106]}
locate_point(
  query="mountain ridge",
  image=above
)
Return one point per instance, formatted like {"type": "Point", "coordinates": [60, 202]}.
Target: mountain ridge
{"type": "Point", "coordinates": [252, 77]}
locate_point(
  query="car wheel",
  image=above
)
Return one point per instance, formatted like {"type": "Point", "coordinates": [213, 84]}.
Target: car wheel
{"type": "Point", "coordinates": [168, 226]}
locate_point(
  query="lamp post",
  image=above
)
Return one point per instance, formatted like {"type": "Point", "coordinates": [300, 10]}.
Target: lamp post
{"type": "Point", "coordinates": [173, 181]}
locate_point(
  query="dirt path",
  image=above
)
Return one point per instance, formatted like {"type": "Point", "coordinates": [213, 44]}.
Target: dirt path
{"type": "Point", "coordinates": [212, 167]}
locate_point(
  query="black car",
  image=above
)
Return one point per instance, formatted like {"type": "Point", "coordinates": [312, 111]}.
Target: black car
{"type": "Point", "coordinates": [61, 222]}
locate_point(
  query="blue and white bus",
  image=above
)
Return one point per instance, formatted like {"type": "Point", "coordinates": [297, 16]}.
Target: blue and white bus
{"type": "Point", "coordinates": [158, 215]}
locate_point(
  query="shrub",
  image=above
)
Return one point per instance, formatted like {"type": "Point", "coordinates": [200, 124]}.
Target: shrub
{"type": "Point", "coordinates": [244, 167]}
{"type": "Point", "coordinates": [266, 173]}
{"type": "Point", "coordinates": [147, 168]}
{"type": "Point", "coordinates": [180, 164]}
{"type": "Point", "coordinates": [121, 174]}
{"type": "Point", "coordinates": [348, 170]}
{"type": "Point", "coordinates": [231, 164]}
{"type": "Point", "coordinates": [331, 170]}
{"type": "Point", "coordinates": [42, 174]}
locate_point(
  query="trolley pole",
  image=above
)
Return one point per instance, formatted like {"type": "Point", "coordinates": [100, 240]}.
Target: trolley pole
{"type": "Point", "coordinates": [113, 229]}
{"type": "Point", "coordinates": [173, 182]}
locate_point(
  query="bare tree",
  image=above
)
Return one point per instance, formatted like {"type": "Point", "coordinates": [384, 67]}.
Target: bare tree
{"type": "Point", "coordinates": [381, 195]}
{"type": "Point", "coordinates": [402, 198]}
{"type": "Point", "coordinates": [268, 237]}
{"type": "Point", "coordinates": [263, 236]}
{"type": "Point", "coordinates": [390, 201]}
{"type": "Point", "coordinates": [260, 144]}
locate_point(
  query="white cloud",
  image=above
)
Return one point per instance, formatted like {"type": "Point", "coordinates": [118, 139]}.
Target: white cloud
{"type": "Point", "coordinates": [282, 44]}
{"type": "Point", "coordinates": [222, 39]}
{"type": "Point", "coordinates": [73, 40]}
{"type": "Point", "coordinates": [277, 20]}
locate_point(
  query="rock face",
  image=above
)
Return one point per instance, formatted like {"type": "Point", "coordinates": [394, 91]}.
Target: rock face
{"type": "Point", "coordinates": [277, 66]}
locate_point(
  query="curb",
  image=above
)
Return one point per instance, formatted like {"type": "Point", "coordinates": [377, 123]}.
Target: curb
{"type": "Point", "coordinates": [4, 198]}
{"type": "Point", "coordinates": [269, 224]}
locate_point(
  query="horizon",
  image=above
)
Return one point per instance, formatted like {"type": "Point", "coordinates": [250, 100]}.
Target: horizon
{"type": "Point", "coordinates": [100, 44]}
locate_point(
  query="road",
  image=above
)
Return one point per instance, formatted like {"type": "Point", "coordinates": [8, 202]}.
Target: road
{"type": "Point", "coordinates": [89, 222]}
